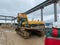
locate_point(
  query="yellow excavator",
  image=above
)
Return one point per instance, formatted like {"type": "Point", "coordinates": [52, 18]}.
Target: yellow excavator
{"type": "Point", "coordinates": [27, 28]}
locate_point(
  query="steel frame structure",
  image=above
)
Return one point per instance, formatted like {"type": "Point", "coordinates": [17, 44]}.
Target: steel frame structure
{"type": "Point", "coordinates": [40, 6]}
{"type": "Point", "coordinates": [7, 18]}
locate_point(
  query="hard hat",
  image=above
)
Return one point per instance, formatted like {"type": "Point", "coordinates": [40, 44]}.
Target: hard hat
{"type": "Point", "coordinates": [56, 24]}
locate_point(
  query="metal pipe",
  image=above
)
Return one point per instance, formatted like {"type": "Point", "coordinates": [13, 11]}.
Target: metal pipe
{"type": "Point", "coordinates": [55, 11]}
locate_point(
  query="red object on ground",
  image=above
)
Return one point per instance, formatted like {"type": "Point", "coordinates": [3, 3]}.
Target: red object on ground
{"type": "Point", "coordinates": [52, 41]}
{"type": "Point", "coordinates": [55, 32]}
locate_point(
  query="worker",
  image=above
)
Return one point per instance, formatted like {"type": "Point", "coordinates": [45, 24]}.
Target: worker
{"type": "Point", "coordinates": [53, 36]}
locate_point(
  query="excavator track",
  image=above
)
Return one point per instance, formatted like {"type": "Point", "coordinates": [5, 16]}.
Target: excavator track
{"type": "Point", "coordinates": [28, 32]}
{"type": "Point", "coordinates": [37, 33]}
{"type": "Point", "coordinates": [23, 33]}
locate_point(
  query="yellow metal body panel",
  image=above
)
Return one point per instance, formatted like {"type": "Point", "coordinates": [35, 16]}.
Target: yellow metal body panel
{"type": "Point", "coordinates": [22, 15]}
{"type": "Point", "coordinates": [34, 22]}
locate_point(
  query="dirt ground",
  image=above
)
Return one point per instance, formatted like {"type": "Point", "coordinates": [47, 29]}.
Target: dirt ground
{"type": "Point", "coordinates": [9, 37]}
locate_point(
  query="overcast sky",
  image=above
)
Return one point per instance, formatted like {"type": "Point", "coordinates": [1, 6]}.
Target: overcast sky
{"type": "Point", "coordinates": [12, 7]}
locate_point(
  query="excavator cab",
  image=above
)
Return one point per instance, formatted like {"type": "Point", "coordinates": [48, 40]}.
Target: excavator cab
{"type": "Point", "coordinates": [21, 19]}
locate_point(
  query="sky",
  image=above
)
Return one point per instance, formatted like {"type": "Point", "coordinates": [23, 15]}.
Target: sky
{"type": "Point", "coordinates": [12, 7]}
